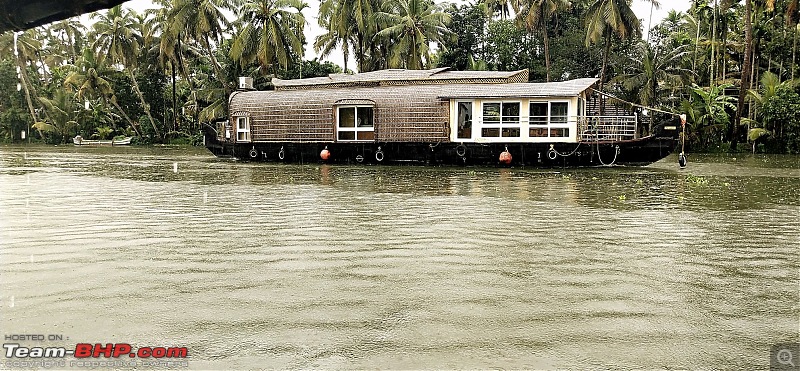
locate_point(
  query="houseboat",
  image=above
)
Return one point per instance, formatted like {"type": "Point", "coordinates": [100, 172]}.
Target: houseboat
{"type": "Point", "coordinates": [437, 116]}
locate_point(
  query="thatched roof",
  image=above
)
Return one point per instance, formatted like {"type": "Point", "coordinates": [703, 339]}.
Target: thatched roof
{"type": "Point", "coordinates": [404, 77]}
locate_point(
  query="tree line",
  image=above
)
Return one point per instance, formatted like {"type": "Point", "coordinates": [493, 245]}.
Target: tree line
{"type": "Point", "coordinates": [731, 66]}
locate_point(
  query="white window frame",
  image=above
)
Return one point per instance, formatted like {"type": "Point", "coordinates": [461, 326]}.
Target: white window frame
{"type": "Point", "coordinates": [355, 128]}
{"type": "Point", "coordinates": [473, 120]}
{"type": "Point", "coordinates": [242, 131]}
{"type": "Point", "coordinates": [502, 124]}
{"type": "Point", "coordinates": [549, 124]}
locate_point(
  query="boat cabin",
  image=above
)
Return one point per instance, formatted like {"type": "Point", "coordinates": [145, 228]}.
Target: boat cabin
{"type": "Point", "coordinates": [439, 105]}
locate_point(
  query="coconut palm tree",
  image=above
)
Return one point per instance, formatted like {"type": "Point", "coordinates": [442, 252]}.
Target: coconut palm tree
{"type": "Point", "coordinates": [63, 111]}
{"type": "Point", "coordinates": [202, 21]}
{"type": "Point", "coordinates": [535, 15]}
{"type": "Point", "coordinates": [502, 7]}
{"type": "Point", "coordinates": [118, 38]}
{"type": "Point", "coordinates": [25, 47]}
{"type": "Point", "coordinates": [607, 18]}
{"type": "Point", "coordinates": [70, 34]}
{"type": "Point", "coordinates": [89, 79]}
{"type": "Point", "coordinates": [272, 34]}
{"type": "Point", "coordinates": [746, 65]}
{"type": "Point", "coordinates": [349, 23]}
{"type": "Point", "coordinates": [653, 71]}
{"type": "Point", "coordinates": [412, 25]}
{"type": "Point", "coordinates": [338, 33]}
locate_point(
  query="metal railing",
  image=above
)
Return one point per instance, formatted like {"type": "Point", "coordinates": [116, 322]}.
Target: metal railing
{"type": "Point", "coordinates": [607, 128]}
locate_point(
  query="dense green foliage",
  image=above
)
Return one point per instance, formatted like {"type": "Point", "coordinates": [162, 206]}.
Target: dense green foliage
{"type": "Point", "coordinates": [161, 74]}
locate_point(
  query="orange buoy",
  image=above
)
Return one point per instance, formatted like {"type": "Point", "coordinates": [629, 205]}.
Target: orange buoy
{"type": "Point", "coordinates": [325, 154]}
{"type": "Point", "coordinates": [505, 157]}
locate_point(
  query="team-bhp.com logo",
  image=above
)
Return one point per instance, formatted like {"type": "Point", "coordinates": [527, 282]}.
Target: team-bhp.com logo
{"type": "Point", "coordinates": [85, 350]}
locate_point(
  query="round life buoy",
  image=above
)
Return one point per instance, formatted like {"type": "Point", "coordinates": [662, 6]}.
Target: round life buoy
{"type": "Point", "coordinates": [281, 154]}
{"type": "Point", "coordinates": [359, 158]}
{"type": "Point", "coordinates": [253, 153]}
{"type": "Point", "coordinates": [551, 154]}
{"type": "Point", "coordinates": [379, 155]}
{"type": "Point", "coordinates": [461, 150]}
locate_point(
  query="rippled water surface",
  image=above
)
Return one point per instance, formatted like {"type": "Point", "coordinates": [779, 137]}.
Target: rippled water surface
{"type": "Point", "coordinates": [311, 266]}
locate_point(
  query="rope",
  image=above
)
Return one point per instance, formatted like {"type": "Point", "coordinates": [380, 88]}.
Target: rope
{"type": "Point", "coordinates": [616, 152]}
{"type": "Point", "coordinates": [563, 155]}
{"type": "Point", "coordinates": [634, 104]}
{"type": "Point", "coordinates": [597, 143]}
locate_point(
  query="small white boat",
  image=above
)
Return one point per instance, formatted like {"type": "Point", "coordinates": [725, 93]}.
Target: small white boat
{"type": "Point", "coordinates": [79, 141]}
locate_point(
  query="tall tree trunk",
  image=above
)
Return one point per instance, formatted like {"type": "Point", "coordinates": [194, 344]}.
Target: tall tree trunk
{"type": "Point", "coordinates": [174, 99]}
{"type": "Point", "coordinates": [133, 124]}
{"type": "Point", "coordinates": [217, 68]}
{"type": "Point", "coordinates": [360, 54]}
{"type": "Point", "coordinates": [713, 76]}
{"type": "Point", "coordinates": [696, 44]}
{"type": "Point", "coordinates": [748, 47]}
{"type": "Point", "coordinates": [794, 50]}
{"type": "Point", "coordinates": [141, 100]}
{"type": "Point", "coordinates": [606, 52]}
{"type": "Point", "coordinates": [546, 40]}
{"type": "Point", "coordinates": [24, 81]}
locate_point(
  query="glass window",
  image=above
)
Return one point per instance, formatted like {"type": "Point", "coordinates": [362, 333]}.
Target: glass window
{"type": "Point", "coordinates": [356, 123]}
{"type": "Point", "coordinates": [502, 118]}
{"type": "Point", "coordinates": [347, 117]}
{"type": "Point", "coordinates": [242, 129]}
{"type": "Point", "coordinates": [538, 114]}
{"type": "Point", "coordinates": [347, 135]}
{"type": "Point", "coordinates": [538, 132]}
{"type": "Point", "coordinates": [491, 113]}
{"type": "Point", "coordinates": [365, 117]}
{"type": "Point", "coordinates": [464, 119]}
{"type": "Point", "coordinates": [558, 112]}
{"type": "Point", "coordinates": [490, 132]}
{"type": "Point", "coordinates": [510, 113]}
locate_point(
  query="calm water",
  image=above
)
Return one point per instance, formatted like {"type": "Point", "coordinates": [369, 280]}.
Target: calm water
{"type": "Point", "coordinates": [308, 266]}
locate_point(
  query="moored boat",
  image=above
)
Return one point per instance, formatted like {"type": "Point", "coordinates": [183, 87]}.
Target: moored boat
{"type": "Point", "coordinates": [79, 141]}
{"type": "Point", "coordinates": [438, 116]}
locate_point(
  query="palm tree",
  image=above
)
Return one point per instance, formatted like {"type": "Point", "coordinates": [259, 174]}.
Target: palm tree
{"type": "Point", "coordinates": [90, 81]}
{"type": "Point", "coordinates": [746, 65]}
{"type": "Point", "coordinates": [412, 25]}
{"type": "Point", "coordinates": [25, 47]}
{"type": "Point", "coordinates": [653, 71]}
{"type": "Point", "coordinates": [606, 18]}
{"type": "Point", "coordinates": [708, 109]}
{"type": "Point", "coordinates": [70, 34]}
{"type": "Point", "coordinates": [272, 35]}
{"type": "Point", "coordinates": [119, 39]}
{"type": "Point", "coordinates": [202, 21]}
{"type": "Point", "coordinates": [792, 16]}
{"type": "Point", "coordinates": [503, 7]}
{"type": "Point", "coordinates": [338, 33]}
{"type": "Point", "coordinates": [63, 111]}
{"type": "Point", "coordinates": [349, 23]}
{"type": "Point", "coordinates": [535, 14]}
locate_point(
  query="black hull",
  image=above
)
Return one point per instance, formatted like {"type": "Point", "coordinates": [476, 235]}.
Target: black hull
{"type": "Point", "coordinates": [633, 152]}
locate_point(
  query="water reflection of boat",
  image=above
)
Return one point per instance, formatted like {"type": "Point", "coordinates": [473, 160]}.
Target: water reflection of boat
{"type": "Point", "coordinates": [79, 141]}
{"type": "Point", "coordinates": [438, 116]}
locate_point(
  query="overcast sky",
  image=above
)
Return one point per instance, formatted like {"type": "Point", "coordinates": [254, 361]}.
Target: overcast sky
{"type": "Point", "coordinates": [640, 7]}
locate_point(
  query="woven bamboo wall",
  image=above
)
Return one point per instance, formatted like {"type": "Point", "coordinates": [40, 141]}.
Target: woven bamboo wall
{"type": "Point", "coordinates": [403, 113]}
